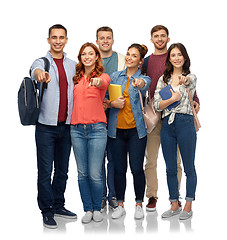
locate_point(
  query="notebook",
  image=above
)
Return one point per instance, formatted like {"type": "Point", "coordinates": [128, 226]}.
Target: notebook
{"type": "Point", "coordinates": [166, 94]}
{"type": "Point", "coordinates": [115, 91]}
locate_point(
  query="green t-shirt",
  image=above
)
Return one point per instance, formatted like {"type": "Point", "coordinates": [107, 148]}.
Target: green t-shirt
{"type": "Point", "coordinates": [111, 63]}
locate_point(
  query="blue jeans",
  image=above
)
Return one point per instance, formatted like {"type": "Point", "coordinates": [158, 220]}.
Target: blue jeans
{"type": "Point", "coordinates": [108, 176]}
{"type": "Point", "coordinates": [182, 133]}
{"type": "Point", "coordinates": [53, 145]}
{"type": "Point", "coordinates": [127, 141]}
{"type": "Point", "coordinates": [89, 143]}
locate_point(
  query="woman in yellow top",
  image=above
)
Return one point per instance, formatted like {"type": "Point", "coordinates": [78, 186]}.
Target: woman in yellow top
{"type": "Point", "coordinates": [126, 129]}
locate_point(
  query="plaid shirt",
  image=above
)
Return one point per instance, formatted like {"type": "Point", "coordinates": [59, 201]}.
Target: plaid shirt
{"type": "Point", "coordinates": [184, 106]}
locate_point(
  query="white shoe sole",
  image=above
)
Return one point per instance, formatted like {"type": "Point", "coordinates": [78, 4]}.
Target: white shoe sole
{"type": "Point", "coordinates": [150, 209]}
{"type": "Point", "coordinates": [50, 226]}
{"type": "Point", "coordinates": [64, 216]}
{"type": "Point", "coordinates": [117, 217]}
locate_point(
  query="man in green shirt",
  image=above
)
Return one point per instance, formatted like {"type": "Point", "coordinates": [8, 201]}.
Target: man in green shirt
{"type": "Point", "coordinates": [113, 62]}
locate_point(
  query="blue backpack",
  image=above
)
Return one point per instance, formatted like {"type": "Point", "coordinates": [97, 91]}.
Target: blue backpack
{"type": "Point", "coordinates": [29, 100]}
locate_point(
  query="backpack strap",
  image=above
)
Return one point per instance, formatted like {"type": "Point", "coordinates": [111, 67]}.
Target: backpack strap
{"type": "Point", "coordinates": [46, 64]}
{"type": "Point", "coordinates": [47, 68]}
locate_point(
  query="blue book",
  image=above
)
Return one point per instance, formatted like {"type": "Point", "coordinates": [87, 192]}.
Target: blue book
{"type": "Point", "coordinates": [166, 94]}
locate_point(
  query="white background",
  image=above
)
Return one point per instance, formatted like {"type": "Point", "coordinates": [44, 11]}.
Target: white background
{"type": "Point", "coordinates": [199, 25]}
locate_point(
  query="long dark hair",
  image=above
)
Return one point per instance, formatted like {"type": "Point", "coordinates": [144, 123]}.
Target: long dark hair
{"type": "Point", "coordinates": [169, 67]}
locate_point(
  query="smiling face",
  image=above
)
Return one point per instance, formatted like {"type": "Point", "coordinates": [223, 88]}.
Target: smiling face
{"type": "Point", "coordinates": [160, 39]}
{"type": "Point", "coordinates": [176, 58]}
{"type": "Point", "coordinates": [105, 41]}
{"type": "Point", "coordinates": [88, 57]}
{"type": "Point", "coordinates": [57, 41]}
{"type": "Point", "coordinates": [132, 58]}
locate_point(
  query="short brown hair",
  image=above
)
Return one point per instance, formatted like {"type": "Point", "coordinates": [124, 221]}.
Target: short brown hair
{"type": "Point", "coordinates": [105, 29]}
{"type": "Point", "coordinates": [159, 27]}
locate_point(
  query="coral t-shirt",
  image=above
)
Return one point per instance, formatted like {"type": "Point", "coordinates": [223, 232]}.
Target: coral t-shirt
{"type": "Point", "coordinates": [88, 101]}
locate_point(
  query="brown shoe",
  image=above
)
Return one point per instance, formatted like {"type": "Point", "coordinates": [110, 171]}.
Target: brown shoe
{"type": "Point", "coordinates": [151, 206]}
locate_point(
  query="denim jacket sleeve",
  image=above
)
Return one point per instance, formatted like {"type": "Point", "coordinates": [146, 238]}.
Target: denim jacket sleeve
{"type": "Point", "coordinates": [147, 81]}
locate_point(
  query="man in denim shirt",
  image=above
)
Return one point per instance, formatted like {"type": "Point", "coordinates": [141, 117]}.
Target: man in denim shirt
{"type": "Point", "coordinates": [53, 130]}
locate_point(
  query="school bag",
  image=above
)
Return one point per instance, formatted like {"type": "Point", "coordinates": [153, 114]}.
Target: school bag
{"type": "Point", "coordinates": [29, 99]}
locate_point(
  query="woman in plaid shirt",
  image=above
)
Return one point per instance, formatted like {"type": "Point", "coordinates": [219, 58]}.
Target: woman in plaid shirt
{"type": "Point", "coordinates": [178, 127]}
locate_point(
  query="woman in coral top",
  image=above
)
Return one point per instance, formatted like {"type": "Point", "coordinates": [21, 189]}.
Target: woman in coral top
{"type": "Point", "coordinates": [88, 128]}
{"type": "Point", "coordinates": [126, 129]}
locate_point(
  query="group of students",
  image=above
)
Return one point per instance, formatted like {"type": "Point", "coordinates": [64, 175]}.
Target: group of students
{"type": "Point", "coordinates": [76, 111]}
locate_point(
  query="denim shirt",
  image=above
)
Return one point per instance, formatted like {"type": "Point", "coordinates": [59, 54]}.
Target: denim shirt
{"type": "Point", "coordinates": [122, 78]}
{"type": "Point", "coordinates": [51, 98]}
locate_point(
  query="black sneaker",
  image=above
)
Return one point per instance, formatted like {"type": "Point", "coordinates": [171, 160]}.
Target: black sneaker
{"type": "Point", "coordinates": [113, 203]}
{"type": "Point", "coordinates": [49, 222]}
{"type": "Point", "coordinates": [63, 212]}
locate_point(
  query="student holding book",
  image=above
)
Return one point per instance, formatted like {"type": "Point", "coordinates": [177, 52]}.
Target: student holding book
{"type": "Point", "coordinates": [154, 66]}
{"type": "Point", "coordinates": [126, 129]}
{"type": "Point", "coordinates": [178, 127]}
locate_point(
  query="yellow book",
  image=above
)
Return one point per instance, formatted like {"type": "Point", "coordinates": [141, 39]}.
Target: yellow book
{"type": "Point", "coordinates": [115, 91]}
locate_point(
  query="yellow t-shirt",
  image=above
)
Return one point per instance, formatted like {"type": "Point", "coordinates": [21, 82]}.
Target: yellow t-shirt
{"type": "Point", "coordinates": [125, 118]}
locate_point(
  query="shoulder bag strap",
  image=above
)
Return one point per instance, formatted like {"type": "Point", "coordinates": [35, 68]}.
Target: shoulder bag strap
{"type": "Point", "coordinates": [141, 101]}
{"type": "Point", "coordinates": [193, 110]}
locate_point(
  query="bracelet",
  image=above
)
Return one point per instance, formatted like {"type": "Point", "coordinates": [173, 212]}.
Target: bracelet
{"type": "Point", "coordinates": [110, 104]}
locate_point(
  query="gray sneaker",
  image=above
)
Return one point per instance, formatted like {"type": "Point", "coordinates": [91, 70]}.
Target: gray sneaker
{"type": "Point", "coordinates": [103, 207]}
{"type": "Point", "coordinates": [87, 217]}
{"type": "Point", "coordinates": [171, 213]}
{"type": "Point", "coordinates": [139, 214]}
{"type": "Point", "coordinates": [113, 203]}
{"type": "Point", "coordinates": [97, 216]}
{"type": "Point", "coordinates": [118, 212]}
{"type": "Point", "coordinates": [185, 215]}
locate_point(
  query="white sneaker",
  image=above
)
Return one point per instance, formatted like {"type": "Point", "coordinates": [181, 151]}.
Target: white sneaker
{"type": "Point", "coordinates": [139, 214]}
{"type": "Point", "coordinates": [97, 216]}
{"type": "Point", "coordinates": [87, 217]}
{"type": "Point", "coordinates": [118, 212]}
